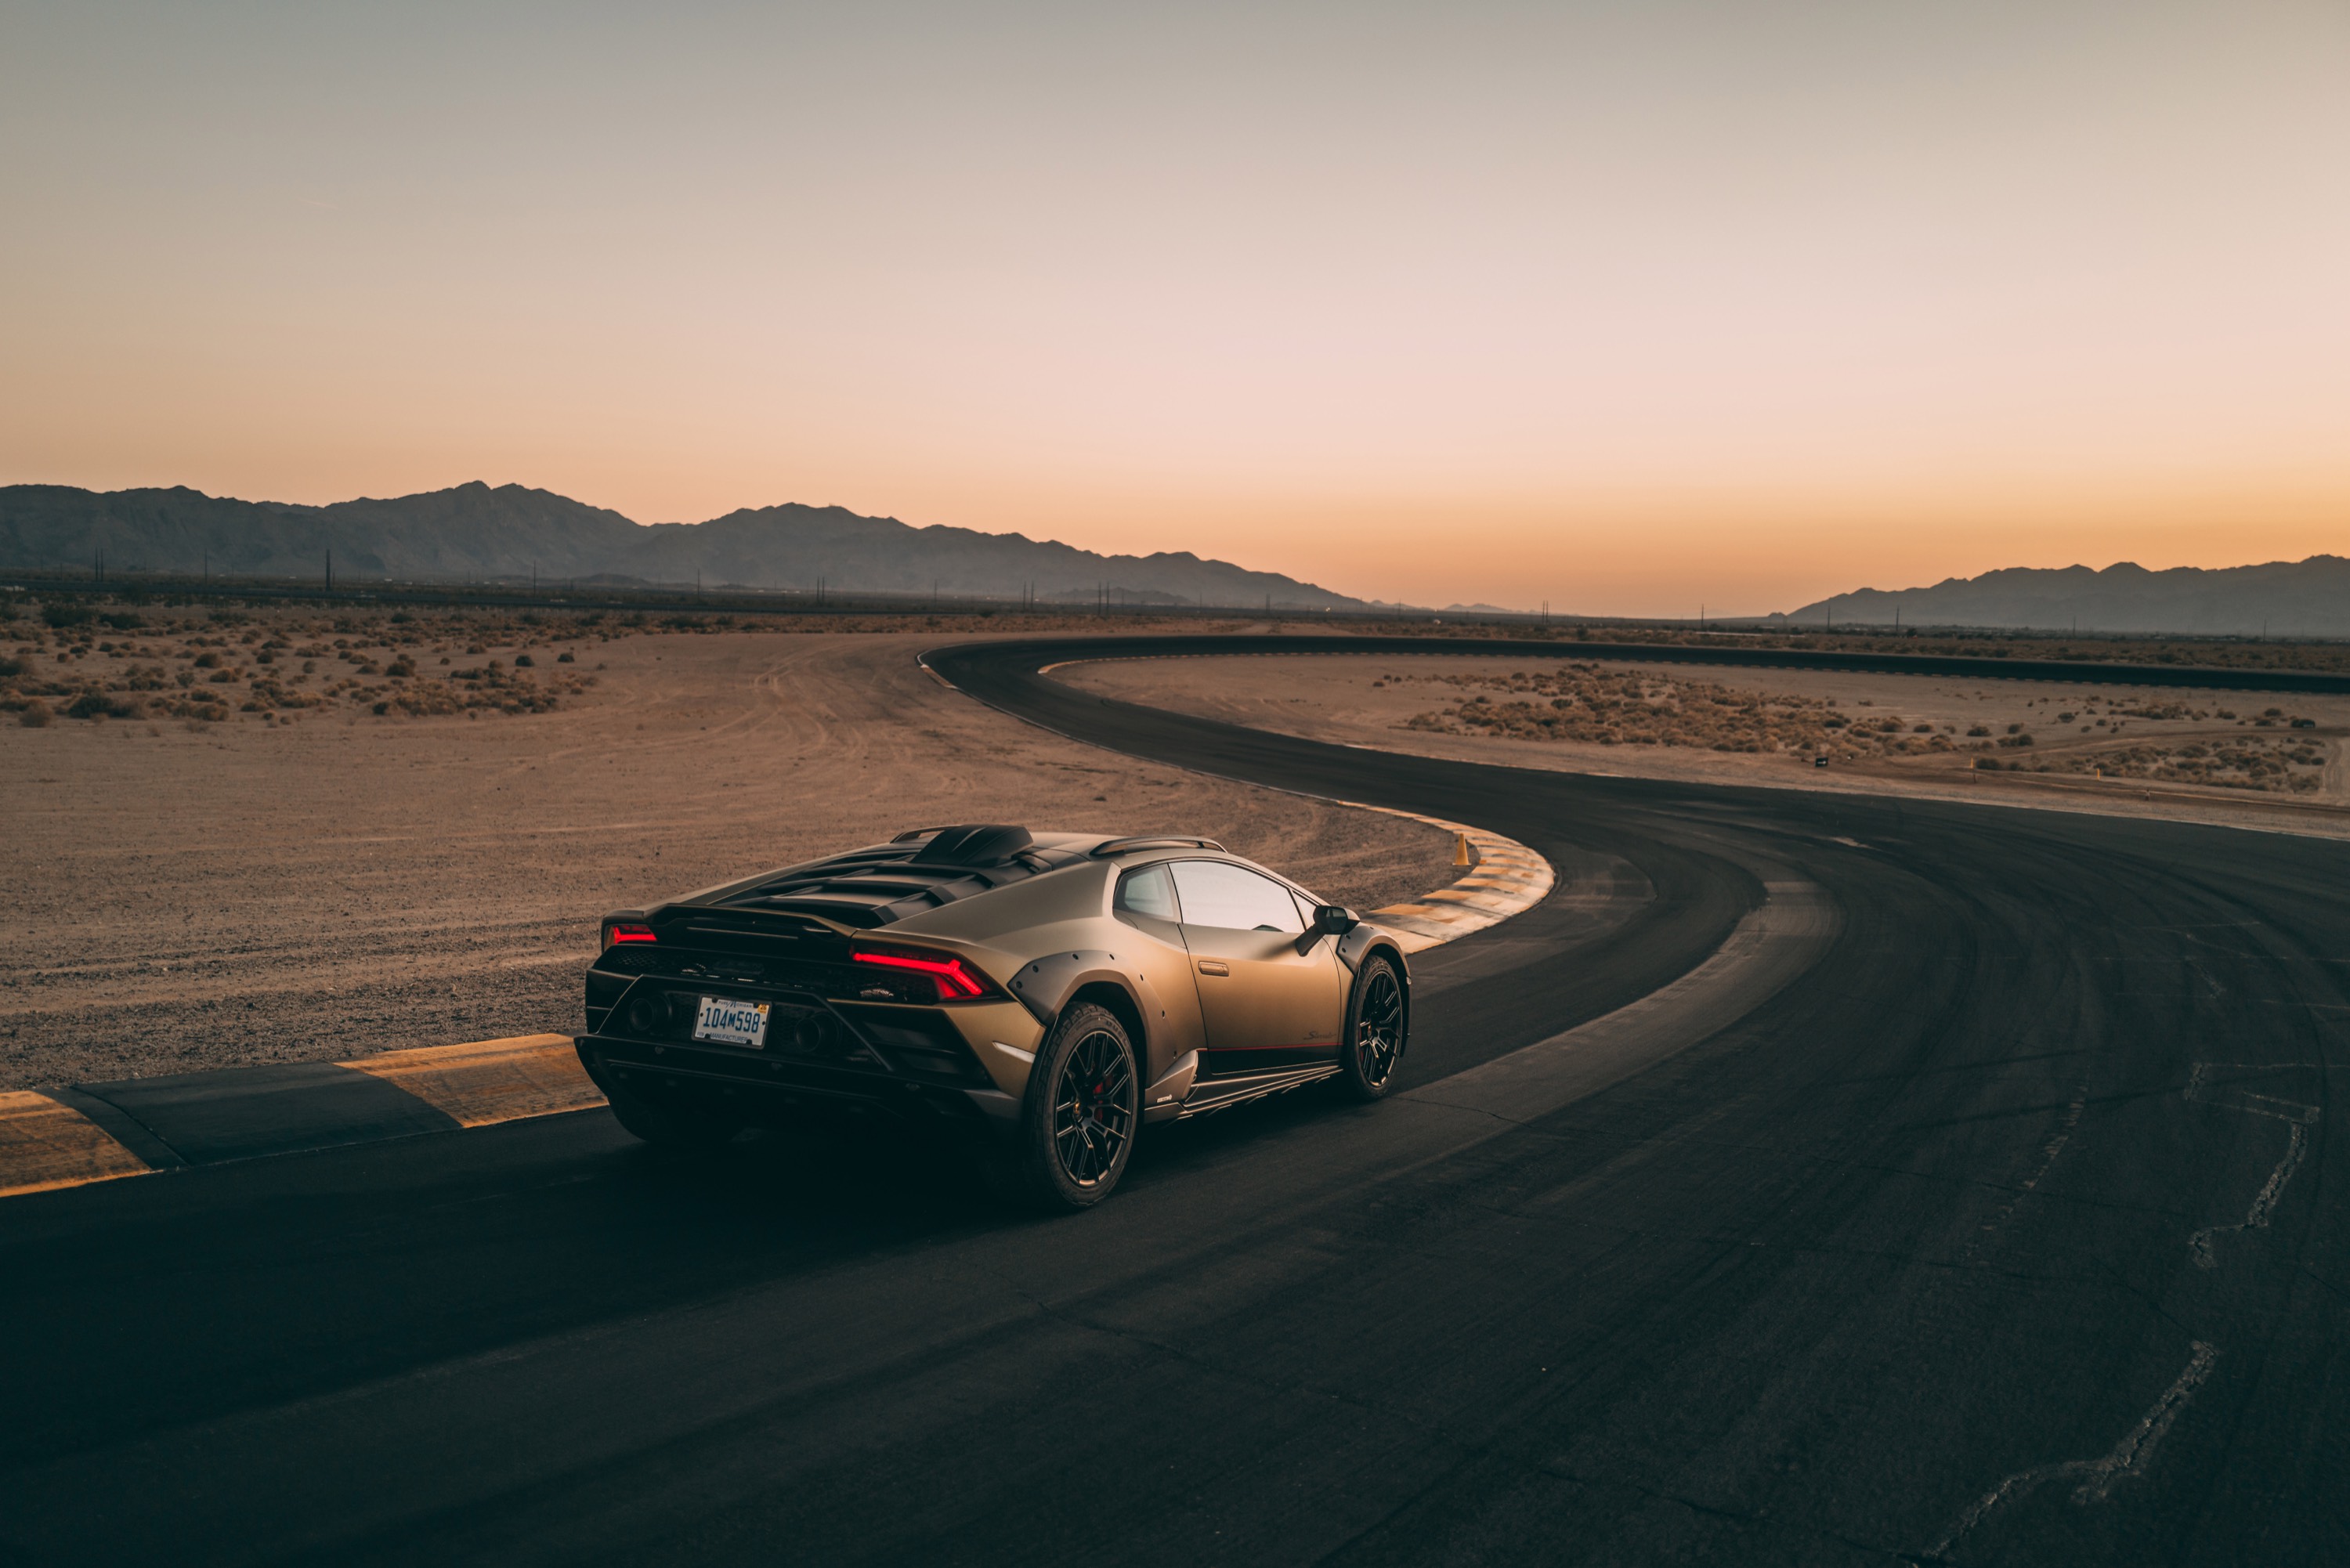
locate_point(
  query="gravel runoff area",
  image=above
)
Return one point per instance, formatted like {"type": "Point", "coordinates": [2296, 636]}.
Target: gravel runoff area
{"type": "Point", "coordinates": [191, 893]}
{"type": "Point", "coordinates": [2232, 757]}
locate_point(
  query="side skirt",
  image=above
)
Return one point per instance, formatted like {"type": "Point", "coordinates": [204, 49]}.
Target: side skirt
{"type": "Point", "coordinates": [1222, 1094]}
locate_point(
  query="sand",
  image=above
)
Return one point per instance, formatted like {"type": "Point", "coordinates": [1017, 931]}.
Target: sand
{"type": "Point", "coordinates": [1374, 699]}
{"type": "Point", "coordinates": [188, 895]}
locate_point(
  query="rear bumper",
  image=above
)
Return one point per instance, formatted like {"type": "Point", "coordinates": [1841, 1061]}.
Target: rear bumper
{"type": "Point", "coordinates": [763, 1090]}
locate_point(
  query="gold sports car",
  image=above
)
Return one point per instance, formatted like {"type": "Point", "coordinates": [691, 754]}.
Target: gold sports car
{"type": "Point", "coordinates": [1043, 993]}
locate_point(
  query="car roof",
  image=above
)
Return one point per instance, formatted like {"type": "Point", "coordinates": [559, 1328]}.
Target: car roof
{"type": "Point", "coordinates": [927, 868]}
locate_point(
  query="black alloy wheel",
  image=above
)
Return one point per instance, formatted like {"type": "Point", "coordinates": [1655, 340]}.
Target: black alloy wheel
{"type": "Point", "coordinates": [1082, 1107]}
{"type": "Point", "coordinates": [1093, 1115]}
{"type": "Point", "coordinates": [1377, 1020]}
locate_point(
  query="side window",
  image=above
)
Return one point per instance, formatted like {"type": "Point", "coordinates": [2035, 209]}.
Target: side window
{"type": "Point", "coordinates": [1233, 896]}
{"type": "Point", "coordinates": [1148, 891]}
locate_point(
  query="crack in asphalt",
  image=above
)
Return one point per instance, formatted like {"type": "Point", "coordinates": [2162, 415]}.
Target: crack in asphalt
{"type": "Point", "coordinates": [2127, 1459]}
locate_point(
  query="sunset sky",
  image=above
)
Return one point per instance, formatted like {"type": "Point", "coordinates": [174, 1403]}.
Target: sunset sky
{"type": "Point", "coordinates": [1626, 307]}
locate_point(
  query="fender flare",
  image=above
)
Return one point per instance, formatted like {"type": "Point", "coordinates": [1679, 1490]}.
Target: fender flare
{"type": "Point", "coordinates": [1365, 939]}
{"type": "Point", "coordinates": [1045, 985]}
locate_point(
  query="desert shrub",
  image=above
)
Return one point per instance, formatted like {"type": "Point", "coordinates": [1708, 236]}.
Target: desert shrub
{"type": "Point", "coordinates": [36, 715]}
{"type": "Point", "coordinates": [563, 659]}
{"type": "Point", "coordinates": [10, 668]}
{"type": "Point", "coordinates": [522, 661]}
{"type": "Point", "coordinates": [208, 659]}
{"type": "Point", "coordinates": [1976, 731]}
{"type": "Point", "coordinates": [62, 615]}
{"type": "Point", "coordinates": [95, 704]}
{"type": "Point", "coordinates": [124, 620]}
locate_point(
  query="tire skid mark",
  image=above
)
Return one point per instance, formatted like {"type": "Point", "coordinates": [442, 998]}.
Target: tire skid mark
{"type": "Point", "coordinates": [2202, 1246]}
{"type": "Point", "coordinates": [2097, 1477]}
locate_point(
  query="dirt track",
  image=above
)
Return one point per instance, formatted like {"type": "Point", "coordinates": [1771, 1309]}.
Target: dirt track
{"type": "Point", "coordinates": [199, 895]}
{"type": "Point", "coordinates": [1360, 701]}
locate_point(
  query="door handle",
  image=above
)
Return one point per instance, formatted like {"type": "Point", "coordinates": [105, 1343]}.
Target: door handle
{"type": "Point", "coordinates": [1214, 966]}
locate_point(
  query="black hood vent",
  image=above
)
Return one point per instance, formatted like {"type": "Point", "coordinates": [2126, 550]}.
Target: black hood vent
{"type": "Point", "coordinates": [877, 887]}
{"type": "Point", "coordinates": [980, 844]}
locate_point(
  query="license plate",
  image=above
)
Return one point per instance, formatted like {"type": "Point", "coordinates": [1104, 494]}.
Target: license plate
{"type": "Point", "coordinates": [731, 1023]}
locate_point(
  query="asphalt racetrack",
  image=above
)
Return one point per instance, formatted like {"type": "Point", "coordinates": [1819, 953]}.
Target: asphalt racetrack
{"type": "Point", "coordinates": [1966, 1187]}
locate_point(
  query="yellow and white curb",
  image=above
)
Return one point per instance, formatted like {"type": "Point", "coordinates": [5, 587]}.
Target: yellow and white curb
{"type": "Point", "coordinates": [1505, 878]}
{"type": "Point", "coordinates": [46, 1144]}
{"type": "Point", "coordinates": [486, 1082]}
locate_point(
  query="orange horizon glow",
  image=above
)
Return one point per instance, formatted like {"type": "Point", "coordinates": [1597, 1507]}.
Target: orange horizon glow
{"type": "Point", "coordinates": [1626, 314]}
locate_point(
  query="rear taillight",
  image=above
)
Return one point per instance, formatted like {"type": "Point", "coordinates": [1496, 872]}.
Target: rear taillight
{"type": "Point", "coordinates": [619, 932]}
{"type": "Point", "coordinates": [956, 980]}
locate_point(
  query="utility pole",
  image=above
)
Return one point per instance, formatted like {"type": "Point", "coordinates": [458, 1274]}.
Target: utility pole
{"type": "Point", "coordinates": [331, 571]}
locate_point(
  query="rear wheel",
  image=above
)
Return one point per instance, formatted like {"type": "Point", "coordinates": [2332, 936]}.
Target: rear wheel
{"type": "Point", "coordinates": [1378, 1019]}
{"type": "Point", "coordinates": [1078, 1121]}
{"type": "Point", "coordinates": [668, 1126]}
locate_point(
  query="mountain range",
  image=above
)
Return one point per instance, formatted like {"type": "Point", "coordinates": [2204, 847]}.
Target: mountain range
{"type": "Point", "coordinates": [475, 533]}
{"type": "Point", "coordinates": [2281, 598]}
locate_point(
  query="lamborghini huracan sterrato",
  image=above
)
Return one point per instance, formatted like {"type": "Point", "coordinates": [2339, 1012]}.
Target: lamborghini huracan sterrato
{"type": "Point", "coordinates": [1044, 994]}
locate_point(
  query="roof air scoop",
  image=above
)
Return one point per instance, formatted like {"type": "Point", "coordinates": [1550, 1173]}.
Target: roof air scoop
{"type": "Point", "coordinates": [977, 843]}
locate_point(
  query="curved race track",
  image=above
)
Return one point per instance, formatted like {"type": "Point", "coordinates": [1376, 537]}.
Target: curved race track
{"type": "Point", "coordinates": [1977, 1201]}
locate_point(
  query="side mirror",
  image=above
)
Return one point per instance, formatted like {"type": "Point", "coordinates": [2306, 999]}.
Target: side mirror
{"type": "Point", "coordinates": [1329, 920]}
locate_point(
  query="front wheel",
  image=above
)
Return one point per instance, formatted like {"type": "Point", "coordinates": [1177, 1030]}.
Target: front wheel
{"type": "Point", "coordinates": [1378, 1020]}
{"type": "Point", "coordinates": [1078, 1121]}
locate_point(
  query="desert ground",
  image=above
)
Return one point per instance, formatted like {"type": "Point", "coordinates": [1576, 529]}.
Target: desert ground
{"type": "Point", "coordinates": [2232, 757]}
{"type": "Point", "coordinates": [321, 880]}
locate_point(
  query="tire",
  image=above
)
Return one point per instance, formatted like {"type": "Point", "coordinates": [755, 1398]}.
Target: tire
{"type": "Point", "coordinates": [1379, 1023]}
{"type": "Point", "coordinates": [1078, 1121]}
{"type": "Point", "coordinates": [670, 1127]}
